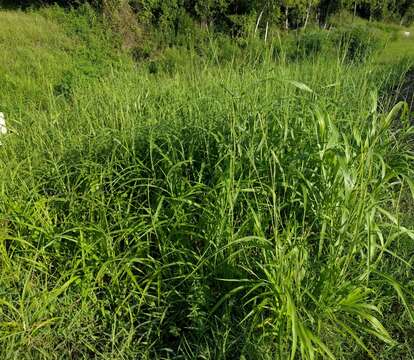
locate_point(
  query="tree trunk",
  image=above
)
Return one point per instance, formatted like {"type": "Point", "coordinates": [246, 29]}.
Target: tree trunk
{"type": "Point", "coordinates": [307, 15]}
{"type": "Point", "coordinates": [355, 9]}
{"type": "Point", "coordinates": [287, 18]}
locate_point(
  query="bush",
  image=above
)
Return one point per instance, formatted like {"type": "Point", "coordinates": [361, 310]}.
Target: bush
{"type": "Point", "coordinates": [308, 44]}
{"type": "Point", "coordinates": [357, 43]}
{"type": "Point", "coordinates": [171, 61]}
{"type": "Point", "coordinates": [408, 17]}
{"type": "Point", "coordinates": [226, 50]}
{"type": "Point", "coordinates": [342, 18]}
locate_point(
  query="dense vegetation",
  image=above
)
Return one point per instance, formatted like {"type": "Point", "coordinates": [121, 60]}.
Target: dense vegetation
{"type": "Point", "coordinates": [294, 13]}
{"type": "Point", "coordinates": [207, 196]}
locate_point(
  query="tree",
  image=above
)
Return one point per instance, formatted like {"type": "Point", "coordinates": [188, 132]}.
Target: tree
{"type": "Point", "coordinates": [312, 4]}
{"type": "Point", "coordinates": [268, 11]}
{"type": "Point", "coordinates": [208, 10]}
{"type": "Point", "coordinates": [329, 7]}
{"type": "Point", "coordinates": [287, 5]}
{"type": "Point", "coordinates": [405, 11]}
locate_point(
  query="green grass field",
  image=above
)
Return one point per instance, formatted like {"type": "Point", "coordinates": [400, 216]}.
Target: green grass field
{"type": "Point", "coordinates": [258, 210]}
{"type": "Point", "coordinates": [399, 47]}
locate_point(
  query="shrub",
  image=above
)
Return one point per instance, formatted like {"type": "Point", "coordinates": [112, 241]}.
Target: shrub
{"type": "Point", "coordinates": [171, 61]}
{"type": "Point", "coordinates": [408, 17]}
{"type": "Point", "coordinates": [309, 44]}
{"type": "Point", "coordinates": [227, 50]}
{"type": "Point", "coordinates": [357, 43]}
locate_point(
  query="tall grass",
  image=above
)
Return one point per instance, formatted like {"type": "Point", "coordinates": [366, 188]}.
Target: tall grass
{"type": "Point", "coordinates": [216, 212]}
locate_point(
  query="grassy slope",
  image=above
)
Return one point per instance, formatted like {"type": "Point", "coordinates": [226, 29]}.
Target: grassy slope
{"type": "Point", "coordinates": [399, 47]}
{"type": "Point", "coordinates": [147, 216]}
{"type": "Point", "coordinates": [34, 55]}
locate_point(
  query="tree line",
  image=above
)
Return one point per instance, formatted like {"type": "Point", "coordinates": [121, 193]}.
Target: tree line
{"type": "Point", "coordinates": [284, 13]}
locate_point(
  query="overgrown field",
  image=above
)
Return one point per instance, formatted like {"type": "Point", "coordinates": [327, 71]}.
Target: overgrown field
{"type": "Point", "coordinates": [244, 209]}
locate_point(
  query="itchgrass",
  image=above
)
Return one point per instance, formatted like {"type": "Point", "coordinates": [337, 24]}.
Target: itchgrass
{"type": "Point", "coordinates": [221, 212]}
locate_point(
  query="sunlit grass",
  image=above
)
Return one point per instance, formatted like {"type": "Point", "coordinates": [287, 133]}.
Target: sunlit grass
{"type": "Point", "coordinates": [218, 212]}
{"type": "Point", "coordinates": [399, 46]}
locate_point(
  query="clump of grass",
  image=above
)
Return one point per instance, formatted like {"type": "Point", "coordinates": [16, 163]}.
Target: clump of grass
{"type": "Point", "coordinates": [359, 43]}
{"type": "Point", "coordinates": [254, 212]}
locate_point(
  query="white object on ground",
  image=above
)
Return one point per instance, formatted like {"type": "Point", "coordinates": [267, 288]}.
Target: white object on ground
{"type": "Point", "coordinates": [407, 33]}
{"type": "Point", "coordinates": [3, 128]}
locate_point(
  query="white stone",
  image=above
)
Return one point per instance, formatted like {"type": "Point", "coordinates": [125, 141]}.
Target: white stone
{"type": "Point", "coordinates": [407, 33]}
{"type": "Point", "coordinates": [3, 128]}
